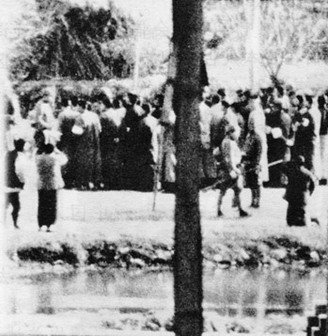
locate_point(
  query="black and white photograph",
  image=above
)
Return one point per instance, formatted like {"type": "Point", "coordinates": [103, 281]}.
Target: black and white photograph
{"type": "Point", "coordinates": [164, 167]}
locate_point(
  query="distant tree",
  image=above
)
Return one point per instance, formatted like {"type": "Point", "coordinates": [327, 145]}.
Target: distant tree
{"type": "Point", "coordinates": [290, 32]}
{"type": "Point", "coordinates": [74, 42]}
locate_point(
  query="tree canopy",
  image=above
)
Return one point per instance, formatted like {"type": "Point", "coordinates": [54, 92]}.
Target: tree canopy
{"type": "Point", "coordinates": [290, 31]}
{"type": "Point", "coordinates": [74, 42]}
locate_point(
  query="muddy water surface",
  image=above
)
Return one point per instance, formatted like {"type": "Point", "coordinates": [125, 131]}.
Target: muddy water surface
{"type": "Point", "coordinates": [230, 293]}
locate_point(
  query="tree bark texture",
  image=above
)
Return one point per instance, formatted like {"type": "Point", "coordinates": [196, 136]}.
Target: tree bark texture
{"type": "Point", "coordinates": [187, 39]}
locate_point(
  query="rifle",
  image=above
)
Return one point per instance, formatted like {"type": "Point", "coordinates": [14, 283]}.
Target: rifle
{"type": "Point", "coordinates": [216, 183]}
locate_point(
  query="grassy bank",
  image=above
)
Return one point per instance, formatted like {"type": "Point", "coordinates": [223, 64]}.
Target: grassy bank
{"type": "Point", "coordinates": [111, 229]}
{"type": "Point", "coordinates": [225, 252]}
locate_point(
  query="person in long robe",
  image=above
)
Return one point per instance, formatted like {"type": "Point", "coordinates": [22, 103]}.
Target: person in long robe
{"type": "Point", "coordinates": [146, 150]}
{"type": "Point", "coordinates": [67, 144]}
{"type": "Point", "coordinates": [87, 129]}
{"type": "Point", "coordinates": [111, 142]}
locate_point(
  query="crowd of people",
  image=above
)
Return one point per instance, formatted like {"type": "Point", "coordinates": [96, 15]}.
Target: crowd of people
{"type": "Point", "coordinates": [127, 141]}
{"type": "Point", "coordinates": [109, 144]}
{"type": "Point", "coordinates": [251, 139]}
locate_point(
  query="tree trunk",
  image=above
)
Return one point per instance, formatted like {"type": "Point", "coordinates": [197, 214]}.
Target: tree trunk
{"type": "Point", "coordinates": [187, 39]}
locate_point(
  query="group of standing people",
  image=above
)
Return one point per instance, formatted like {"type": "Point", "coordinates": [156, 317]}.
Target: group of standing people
{"type": "Point", "coordinates": [265, 138]}
{"type": "Point", "coordinates": [94, 144]}
{"type": "Point", "coordinates": [109, 144]}
{"type": "Point", "coordinates": [124, 142]}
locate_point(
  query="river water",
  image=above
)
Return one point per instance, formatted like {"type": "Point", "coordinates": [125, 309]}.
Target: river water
{"type": "Point", "coordinates": [229, 293]}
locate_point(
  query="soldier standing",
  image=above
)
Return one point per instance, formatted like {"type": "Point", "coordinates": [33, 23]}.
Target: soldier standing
{"type": "Point", "coordinates": [229, 170]}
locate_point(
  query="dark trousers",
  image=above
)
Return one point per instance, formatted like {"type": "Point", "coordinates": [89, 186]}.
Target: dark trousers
{"type": "Point", "coordinates": [47, 207]}
{"type": "Point", "coordinates": [13, 199]}
{"type": "Point", "coordinates": [296, 214]}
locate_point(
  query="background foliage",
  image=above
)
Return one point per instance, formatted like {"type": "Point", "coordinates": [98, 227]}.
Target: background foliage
{"type": "Point", "coordinates": [58, 39]}
{"type": "Point", "coordinates": [70, 41]}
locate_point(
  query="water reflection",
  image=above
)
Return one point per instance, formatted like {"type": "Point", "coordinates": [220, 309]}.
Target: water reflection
{"type": "Point", "coordinates": [262, 293]}
{"type": "Point", "coordinates": [231, 293]}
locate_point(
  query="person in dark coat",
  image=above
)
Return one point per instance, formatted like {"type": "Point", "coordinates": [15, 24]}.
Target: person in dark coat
{"type": "Point", "coordinates": [14, 179]}
{"type": "Point", "coordinates": [301, 184]}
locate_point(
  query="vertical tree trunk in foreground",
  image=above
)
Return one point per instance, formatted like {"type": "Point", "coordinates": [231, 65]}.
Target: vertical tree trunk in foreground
{"type": "Point", "coordinates": [187, 39]}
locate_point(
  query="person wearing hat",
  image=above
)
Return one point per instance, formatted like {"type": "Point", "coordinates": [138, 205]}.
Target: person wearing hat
{"type": "Point", "coordinates": [229, 172]}
{"type": "Point", "coordinates": [301, 184]}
